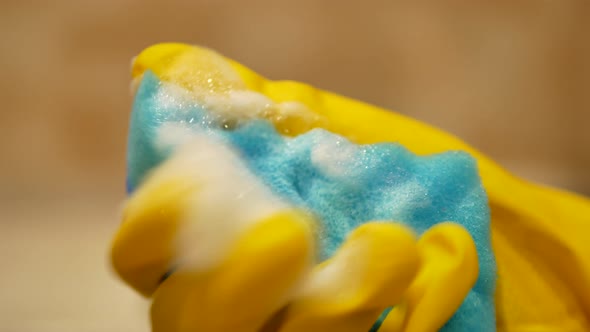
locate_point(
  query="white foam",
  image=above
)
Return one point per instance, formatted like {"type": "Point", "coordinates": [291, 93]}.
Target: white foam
{"type": "Point", "coordinates": [234, 105]}
{"type": "Point", "coordinates": [227, 200]}
{"type": "Point", "coordinates": [249, 103]}
{"type": "Point", "coordinates": [173, 134]}
{"type": "Point", "coordinates": [237, 104]}
{"type": "Point", "coordinates": [334, 156]}
{"type": "Point", "coordinates": [406, 198]}
{"type": "Point", "coordinates": [171, 97]}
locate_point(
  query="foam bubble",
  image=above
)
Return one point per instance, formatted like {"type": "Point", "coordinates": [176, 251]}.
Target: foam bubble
{"type": "Point", "coordinates": [406, 198]}
{"type": "Point", "coordinates": [171, 97]}
{"type": "Point", "coordinates": [237, 106]}
{"type": "Point", "coordinates": [333, 155]}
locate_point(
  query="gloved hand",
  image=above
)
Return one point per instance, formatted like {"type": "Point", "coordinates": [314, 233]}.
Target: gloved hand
{"type": "Point", "coordinates": [538, 239]}
{"type": "Point", "coordinates": [263, 277]}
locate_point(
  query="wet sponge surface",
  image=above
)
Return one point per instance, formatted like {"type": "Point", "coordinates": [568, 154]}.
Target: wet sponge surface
{"type": "Point", "coordinates": [344, 184]}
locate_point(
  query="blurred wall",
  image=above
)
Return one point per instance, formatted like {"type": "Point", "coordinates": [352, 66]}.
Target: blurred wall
{"type": "Point", "coordinates": [510, 77]}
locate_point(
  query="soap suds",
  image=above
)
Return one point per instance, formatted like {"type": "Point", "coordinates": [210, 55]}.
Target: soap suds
{"type": "Point", "coordinates": [407, 197]}
{"type": "Point", "coordinates": [172, 134]}
{"type": "Point", "coordinates": [173, 97]}
{"type": "Point", "coordinates": [236, 106]}
{"type": "Point", "coordinates": [227, 200]}
{"type": "Point", "coordinates": [334, 156]}
{"type": "Point", "coordinates": [214, 75]}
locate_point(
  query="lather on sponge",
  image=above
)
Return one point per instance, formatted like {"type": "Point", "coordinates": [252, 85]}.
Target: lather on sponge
{"type": "Point", "coordinates": [192, 104]}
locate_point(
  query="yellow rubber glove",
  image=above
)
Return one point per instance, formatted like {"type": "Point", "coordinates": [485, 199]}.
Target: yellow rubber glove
{"type": "Point", "coordinates": [261, 277]}
{"type": "Point", "coordinates": [449, 271]}
{"type": "Point", "coordinates": [216, 248]}
{"type": "Point", "coordinates": [539, 234]}
{"type": "Point", "coordinates": [426, 296]}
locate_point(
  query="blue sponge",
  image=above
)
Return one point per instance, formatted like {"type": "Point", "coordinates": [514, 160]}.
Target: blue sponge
{"type": "Point", "coordinates": [342, 183]}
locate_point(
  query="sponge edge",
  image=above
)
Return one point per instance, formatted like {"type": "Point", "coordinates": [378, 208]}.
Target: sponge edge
{"type": "Point", "coordinates": [344, 184]}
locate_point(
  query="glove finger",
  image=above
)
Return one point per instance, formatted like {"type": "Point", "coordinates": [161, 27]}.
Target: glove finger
{"type": "Point", "coordinates": [254, 281]}
{"type": "Point", "coordinates": [449, 271]}
{"type": "Point", "coordinates": [369, 273]}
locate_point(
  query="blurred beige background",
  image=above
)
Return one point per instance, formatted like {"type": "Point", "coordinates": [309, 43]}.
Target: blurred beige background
{"type": "Point", "coordinates": [510, 77]}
